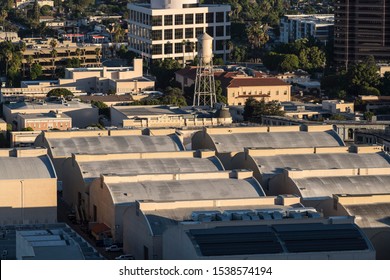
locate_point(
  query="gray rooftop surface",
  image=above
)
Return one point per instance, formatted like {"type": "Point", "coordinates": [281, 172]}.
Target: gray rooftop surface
{"type": "Point", "coordinates": [64, 147]}
{"type": "Point", "coordinates": [15, 168]}
{"type": "Point", "coordinates": [321, 187]}
{"type": "Point", "coordinates": [185, 190]}
{"type": "Point", "coordinates": [295, 139]}
{"type": "Point", "coordinates": [276, 164]}
{"type": "Point", "coordinates": [370, 215]}
{"type": "Point", "coordinates": [47, 105]}
{"type": "Point", "coordinates": [93, 169]}
{"type": "Point", "coordinates": [147, 110]}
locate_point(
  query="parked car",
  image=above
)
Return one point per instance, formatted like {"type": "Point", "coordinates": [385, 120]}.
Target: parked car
{"type": "Point", "coordinates": [113, 248]}
{"type": "Point", "coordinates": [125, 257]}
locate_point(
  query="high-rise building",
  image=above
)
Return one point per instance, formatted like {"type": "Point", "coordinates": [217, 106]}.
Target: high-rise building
{"type": "Point", "coordinates": [362, 28]}
{"type": "Point", "coordinates": [170, 28]}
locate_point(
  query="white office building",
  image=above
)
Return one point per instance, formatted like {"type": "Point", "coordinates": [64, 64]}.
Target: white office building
{"type": "Point", "coordinates": [170, 28]}
{"type": "Point", "coordinates": [295, 27]}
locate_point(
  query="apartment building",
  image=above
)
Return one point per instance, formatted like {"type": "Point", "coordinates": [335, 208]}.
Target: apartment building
{"type": "Point", "coordinates": [361, 30]}
{"type": "Point", "coordinates": [53, 55]}
{"type": "Point", "coordinates": [295, 27]}
{"type": "Point", "coordinates": [169, 29]}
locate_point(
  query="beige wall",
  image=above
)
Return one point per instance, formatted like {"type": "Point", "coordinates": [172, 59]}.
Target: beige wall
{"type": "Point", "coordinates": [28, 201]}
{"type": "Point", "coordinates": [238, 96]}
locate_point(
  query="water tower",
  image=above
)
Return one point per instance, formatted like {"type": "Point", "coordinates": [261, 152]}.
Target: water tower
{"type": "Point", "coordinates": [204, 94]}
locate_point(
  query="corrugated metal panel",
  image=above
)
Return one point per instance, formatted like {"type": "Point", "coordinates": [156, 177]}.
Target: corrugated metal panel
{"type": "Point", "coordinates": [275, 164]}
{"type": "Point", "coordinates": [113, 144]}
{"type": "Point", "coordinates": [327, 186]}
{"type": "Point", "coordinates": [25, 168]}
{"type": "Point", "coordinates": [238, 141]}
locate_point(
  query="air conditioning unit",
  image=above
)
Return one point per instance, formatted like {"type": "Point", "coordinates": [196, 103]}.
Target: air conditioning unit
{"type": "Point", "coordinates": [204, 216]}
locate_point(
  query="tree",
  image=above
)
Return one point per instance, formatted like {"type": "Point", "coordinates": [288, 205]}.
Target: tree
{"type": "Point", "coordinates": [98, 52]}
{"type": "Point", "coordinates": [46, 10]}
{"type": "Point", "coordinates": [57, 92]}
{"type": "Point", "coordinates": [289, 63]}
{"type": "Point", "coordinates": [257, 109]}
{"type": "Point", "coordinates": [257, 34]}
{"type": "Point", "coordinates": [73, 62]}
{"type": "Point", "coordinates": [28, 129]}
{"type": "Point", "coordinates": [368, 115]}
{"type": "Point", "coordinates": [36, 14]}
{"type": "Point", "coordinates": [312, 59]}
{"type": "Point", "coordinates": [363, 76]}
{"type": "Point", "coordinates": [165, 70]}
{"type": "Point", "coordinates": [219, 92]}
{"type": "Point", "coordinates": [35, 71]}
{"type": "Point", "coordinates": [385, 84]}
{"type": "Point", "coordinates": [173, 96]}
{"type": "Point", "coordinates": [53, 54]}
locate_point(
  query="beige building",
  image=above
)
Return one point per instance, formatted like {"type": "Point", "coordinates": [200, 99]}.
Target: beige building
{"type": "Point", "coordinates": [338, 106]}
{"type": "Point", "coordinates": [82, 169]}
{"type": "Point", "coordinates": [44, 121]}
{"type": "Point", "coordinates": [62, 144]}
{"type": "Point", "coordinates": [9, 36]}
{"type": "Point", "coordinates": [121, 80]}
{"type": "Point", "coordinates": [3, 125]}
{"type": "Point", "coordinates": [41, 3]}
{"type": "Point", "coordinates": [229, 141]}
{"type": "Point", "coordinates": [23, 138]}
{"type": "Point", "coordinates": [267, 89]}
{"type": "Point", "coordinates": [28, 187]}
{"type": "Point", "coordinates": [111, 195]}
{"type": "Point", "coordinates": [82, 114]}
{"type": "Point", "coordinates": [165, 116]}
{"type": "Point", "coordinates": [269, 162]}
{"type": "Point", "coordinates": [316, 187]}
{"type": "Point", "coordinates": [371, 214]}
{"type": "Point", "coordinates": [239, 229]}
{"type": "Point", "coordinates": [170, 29]}
{"type": "Point", "coordinates": [41, 52]}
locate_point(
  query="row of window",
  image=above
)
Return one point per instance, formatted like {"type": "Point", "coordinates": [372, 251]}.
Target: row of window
{"type": "Point", "coordinates": [260, 92]}
{"type": "Point", "coordinates": [179, 33]}
{"type": "Point", "coordinates": [198, 18]}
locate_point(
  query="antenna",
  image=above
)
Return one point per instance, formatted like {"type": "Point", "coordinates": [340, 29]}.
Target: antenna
{"type": "Point", "coordinates": [204, 94]}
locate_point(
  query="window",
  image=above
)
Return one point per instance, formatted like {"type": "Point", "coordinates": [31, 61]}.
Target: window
{"type": "Point", "coordinates": [219, 17]}
{"type": "Point", "coordinates": [219, 45]}
{"type": "Point", "coordinates": [210, 30]}
{"type": "Point", "coordinates": [189, 19]}
{"type": "Point", "coordinates": [199, 18]}
{"type": "Point", "coordinates": [189, 33]}
{"type": "Point", "coordinates": [156, 34]}
{"type": "Point", "coordinates": [277, 92]}
{"type": "Point", "coordinates": [178, 19]}
{"type": "Point", "coordinates": [156, 20]}
{"type": "Point", "coordinates": [219, 31]}
{"type": "Point", "coordinates": [227, 17]}
{"type": "Point", "coordinates": [198, 31]}
{"type": "Point", "coordinates": [227, 32]}
{"type": "Point", "coordinates": [168, 20]}
{"type": "Point", "coordinates": [179, 33]}
{"type": "Point", "coordinates": [168, 48]}
{"type": "Point", "coordinates": [157, 49]}
{"type": "Point", "coordinates": [179, 48]}
{"type": "Point", "coordinates": [210, 17]}
{"type": "Point", "coordinates": [168, 34]}
{"type": "Point", "coordinates": [285, 92]}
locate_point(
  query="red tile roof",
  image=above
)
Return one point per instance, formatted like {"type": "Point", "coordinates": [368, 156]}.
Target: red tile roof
{"type": "Point", "coordinates": [251, 82]}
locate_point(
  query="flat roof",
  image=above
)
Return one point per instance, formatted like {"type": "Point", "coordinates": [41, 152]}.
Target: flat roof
{"type": "Point", "coordinates": [292, 139]}
{"type": "Point", "coordinates": [51, 115]}
{"type": "Point", "coordinates": [325, 187]}
{"type": "Point", "coordinates": [46, 105]}
{"type": "Point", "coordinates": [276, 164]}
{"type": "Point", "coordinates": [64, 147]}
{"type": "Point", "coordinates": [150, 110]}
{"type": "Point", "coordinates": [201, 189]}
{"type": "Point", "coordinates": [16, 168]}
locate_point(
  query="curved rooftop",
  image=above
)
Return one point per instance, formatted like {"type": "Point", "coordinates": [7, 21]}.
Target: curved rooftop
{"type": "Point", "coordinates": [320, 187]}
{"type": "Point", "coordinates": [291, 139]}
{"type": "Point", "coordinates": [276, 164]}
{"type": "Point", "coordinates": [184, 190]}
{"type": "Point", "coordinates": [17, 168]}
{"type": "Point", "coordinates": [93, 169]}
{"type": "Point", "coordinates": [64, 147]}
{"type": "Point", "coordinates": [370, 215]}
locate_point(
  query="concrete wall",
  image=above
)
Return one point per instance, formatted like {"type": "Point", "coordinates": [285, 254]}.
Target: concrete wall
{"type": "Point", "coordinates": [28, 201]}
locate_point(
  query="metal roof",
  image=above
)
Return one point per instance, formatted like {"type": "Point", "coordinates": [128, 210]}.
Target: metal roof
{"type": "Point", "coordinates": [238, 141]}
{"type": "Point", "coordinates": [320, 187]}
{"type": "Point", "coordinates": [145, 166]}
{"type": "Point", "coordinates": [276, 239]}
{"type": "Point", "coordinates": [64, 147]}
{"type": "Point", "coordinates": [17, 168]}
{"type": "Point", "coordinates": [370, 215]}
{"type": "Point", "coordinates": [276, 164]}
{"type": "Point", "coordinates": [185, 190]}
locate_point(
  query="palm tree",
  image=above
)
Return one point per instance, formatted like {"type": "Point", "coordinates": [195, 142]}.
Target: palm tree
{"type": "Point", "coordinates": [98, 53]}
{"type": "Point", "coordinates": [8, 57]}
{"type": "Point", "coordinates": [53, 54]}
{"type": "Point", "coordinates": [30, 61]}
{"type": "Point", "coordinates": [53, 43]}
{"type": "Point", "coordinates": [183, 43]}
